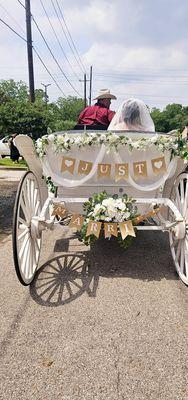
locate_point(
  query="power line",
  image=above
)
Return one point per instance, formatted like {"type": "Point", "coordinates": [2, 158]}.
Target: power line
{"type": "Point", "coordinates": [12, 18]}
{"type": "Point", "coordinates": [36, 54]}
{"type": "Point", "coordinates": [58, 40]}
{"type": "Point", "coordinates": [48, 71]}
{"type": "Point", "coordinates": [21, 3]}
{"type": "Point", "coordinates": [73, 52]}
{"type": "Point", "coordinates": [54, 56]}
{"type": "Point", "coordinates": [70, 36]}
{"type": "Point", "coordinates": [1, 20]}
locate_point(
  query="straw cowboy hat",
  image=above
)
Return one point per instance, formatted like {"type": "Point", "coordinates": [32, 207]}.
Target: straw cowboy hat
{"type": "Point", "coordinates": [105, 94]}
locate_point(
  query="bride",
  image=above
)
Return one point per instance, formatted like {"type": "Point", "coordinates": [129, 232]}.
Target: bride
{"type": "Point", "coordinates": [132, 115]}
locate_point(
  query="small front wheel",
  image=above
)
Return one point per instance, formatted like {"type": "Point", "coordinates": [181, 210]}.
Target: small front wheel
{"type": "Point", "coordinates": [26, 239]}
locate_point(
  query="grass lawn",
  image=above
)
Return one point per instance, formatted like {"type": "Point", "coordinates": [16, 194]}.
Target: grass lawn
{"type": "Point", "coordinates": [7, 162]}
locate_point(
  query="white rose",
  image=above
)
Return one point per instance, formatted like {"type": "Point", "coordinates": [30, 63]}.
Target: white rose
{"type": "Point", "coordinates": [126, 214]}
{"type": "Point", "coordinates": [39, 143]}
{"type": "Point", "coordinates": [51, 137]}
{"type": "Point", "coordinates": [120, 204]}
{"type": "Point", "coordinates": [103, 137]}
{"type": "Point", "coordinates": [110, 202]}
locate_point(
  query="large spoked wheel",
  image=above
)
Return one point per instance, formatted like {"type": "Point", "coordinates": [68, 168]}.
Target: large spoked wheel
{"type": "Point", "coordinates": [179, 247]}
{"type": "Point", "coordinates": [26, 236]}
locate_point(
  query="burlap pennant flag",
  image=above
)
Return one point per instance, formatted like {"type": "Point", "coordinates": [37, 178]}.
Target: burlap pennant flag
{"type": "Point", "coordinates": [68, 164]}
{"type": "Point", "coordinates": [59, 210]}
{"type": "Point", "coordinates": [110, 229]}
{"type": "Point", "coordinates": [141, 218]}
{"type": "Point", "coordinates": [121, 171]}
{"type": "Point", "coordinates": [158, 165]}
{"type": "Point", "coordinates": [84, 167]}
{"type": "Point", "coordinates": [104, 170]}
{"type": "Point", "coordinates": [76, 221]}
{"type": "Point", "coordinates": [126, 229]}
{"type": "Point", "coordinates": [94, 228]}
{"type": "Point", "coordinates": [140, 169]}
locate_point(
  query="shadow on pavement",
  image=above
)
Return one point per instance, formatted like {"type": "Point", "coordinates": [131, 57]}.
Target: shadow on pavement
{"type": "Point", "coordinates": [7, 199]}
{"type": "Point", "coordinates": [66, 277]}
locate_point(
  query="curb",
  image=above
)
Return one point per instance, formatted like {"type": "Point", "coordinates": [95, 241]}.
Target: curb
{"type": "Point", "coordinates": [12, 168]}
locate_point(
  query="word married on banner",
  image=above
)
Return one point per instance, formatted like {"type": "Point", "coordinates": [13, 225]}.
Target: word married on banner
{"type": "Point", "coordinates": [126, 228]}
{"type": "Point", "coordinates": [140, 168]}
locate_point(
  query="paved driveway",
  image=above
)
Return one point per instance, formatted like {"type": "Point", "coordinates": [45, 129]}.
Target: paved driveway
{"type": "Point", "coordinates": [99, 324]}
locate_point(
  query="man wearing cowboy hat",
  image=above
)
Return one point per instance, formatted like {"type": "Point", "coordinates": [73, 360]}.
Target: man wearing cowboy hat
{"type": "Point", "coordinates": [99, 115]}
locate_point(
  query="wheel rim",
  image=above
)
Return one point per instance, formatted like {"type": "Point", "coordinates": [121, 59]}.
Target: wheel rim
{"type": "Point", "coordinates": [179, 247]}
{"type": "Point", "coordinates": [26, 246]}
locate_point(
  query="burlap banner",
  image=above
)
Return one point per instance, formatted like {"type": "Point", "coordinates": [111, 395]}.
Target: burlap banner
{"type": "Point", "coordinates": [120, 171]}
{"type": "Point", "coordinates": [126, 228]}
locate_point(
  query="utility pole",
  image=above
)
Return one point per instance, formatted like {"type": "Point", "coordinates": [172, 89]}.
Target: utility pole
{"type": "Point", "coordinates": [90, 84]}
{"type": "Point", "coordinates": [29, 51]}
{"type": "Point", "coordinates": [45, 91]}
{"type": "Point", "coordinates": [85, 82]}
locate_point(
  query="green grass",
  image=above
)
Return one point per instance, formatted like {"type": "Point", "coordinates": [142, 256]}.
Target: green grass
{"type": "Point", "coordinates": [7, 162]}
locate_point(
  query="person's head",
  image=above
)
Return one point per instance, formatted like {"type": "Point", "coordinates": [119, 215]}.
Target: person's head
{"type": "Point", "coordinates": [131, 113]}
{"type": "Point", "coordinates": [104, 103]}
{"type": "Point", "coordinates": [104, 98]}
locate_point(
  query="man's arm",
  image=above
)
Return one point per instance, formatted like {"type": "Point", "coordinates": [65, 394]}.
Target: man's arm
{"type": "Point", "coordinates": [81, 116]}
{"type": "Point", "coordinates": [110, 115]}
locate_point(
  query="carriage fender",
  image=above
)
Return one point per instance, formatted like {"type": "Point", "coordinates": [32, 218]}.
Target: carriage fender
{"type": "Point", "coordinates": [27, 150]}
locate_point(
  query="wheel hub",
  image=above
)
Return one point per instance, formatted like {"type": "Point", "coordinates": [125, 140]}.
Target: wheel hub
{"type": "Point", "coordinates": [34, 228]}
{"type": "Point", "coordinates": [179, 230]}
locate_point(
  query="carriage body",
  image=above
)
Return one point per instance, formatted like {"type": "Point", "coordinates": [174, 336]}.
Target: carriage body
{"type": "Point", "coordinates": [151, 177]}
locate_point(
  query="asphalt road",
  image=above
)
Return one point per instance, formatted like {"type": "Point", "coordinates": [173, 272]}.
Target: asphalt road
{"type": "Point", "coordinates": [99, 324]}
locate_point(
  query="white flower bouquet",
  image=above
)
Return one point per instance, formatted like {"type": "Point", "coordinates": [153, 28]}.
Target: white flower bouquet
{"type": "Point", "coordinates": [104, 208]}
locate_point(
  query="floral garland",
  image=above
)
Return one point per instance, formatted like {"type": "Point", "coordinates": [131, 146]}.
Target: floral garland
{"type": "Point", "coordinates": [64, 142]}
{"type": "Point", "coordinates": [104, 208]}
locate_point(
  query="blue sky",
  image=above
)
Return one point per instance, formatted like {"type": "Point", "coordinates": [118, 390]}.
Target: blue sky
{"type": "Point", "coordinates": [138, 48]}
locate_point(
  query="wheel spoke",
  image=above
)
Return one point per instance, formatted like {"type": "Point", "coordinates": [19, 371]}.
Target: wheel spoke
{"type": "Point", "coordinates": [37, 207]}
{"type": "Point", "coordinates": [28, 192]}
{"type": "Point", "coordinates": [178, 201]}
{"type": "Point", "coordinates": [25, 197]}
{"type": "Point", "coordinates": [24, 246]}
{"type": "Point", "coordinates": [182, 192]}
{"type": "Point", "coordinates": [185, 207]}
{"type": "Point", "coordinates": [25, 210]}
{"type": "Point", "coordinates": [35, 197]}
{"type": "Point", "coordinates": [23, 222]}
{"type": "Point", "coordinates": [27, 260]}
{"type": "Point", "coordinates": [23, 233]}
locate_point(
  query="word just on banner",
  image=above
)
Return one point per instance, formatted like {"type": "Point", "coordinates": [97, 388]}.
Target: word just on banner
{"type": "Point", "coordinates": [121, 170]}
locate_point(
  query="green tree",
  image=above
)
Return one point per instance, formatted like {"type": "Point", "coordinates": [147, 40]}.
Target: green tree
{"type": "Point", "coordinates": [70, 107]}
{"type": "Point", "coordinates": [11, 90]}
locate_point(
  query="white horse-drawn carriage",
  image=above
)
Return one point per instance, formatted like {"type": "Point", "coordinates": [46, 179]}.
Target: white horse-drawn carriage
{"type": "Point", "coordinates": [153, 174]}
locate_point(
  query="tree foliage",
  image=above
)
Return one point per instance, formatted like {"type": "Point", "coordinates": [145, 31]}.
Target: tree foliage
{"type": "Point", "coordinates": [174, 116]}
{"type": "Point", "coordinates": [18, 115]}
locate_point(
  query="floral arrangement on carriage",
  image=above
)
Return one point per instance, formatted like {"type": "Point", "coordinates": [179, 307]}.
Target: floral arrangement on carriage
{"type": "Point", "coordinates": [112, 216]}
